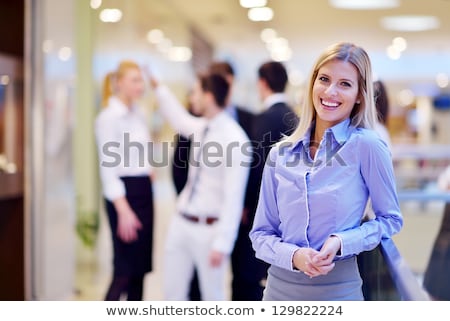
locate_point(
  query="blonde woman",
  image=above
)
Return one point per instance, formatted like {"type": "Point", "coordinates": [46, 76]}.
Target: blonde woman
{"type": "Point", "coordinates": [316, 184]}
{"type": "Point", "coordinates": [123, 140]}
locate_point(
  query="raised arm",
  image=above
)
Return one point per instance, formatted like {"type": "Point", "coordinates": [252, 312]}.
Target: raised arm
{"type": "Point", "coordinates": [174, 112]}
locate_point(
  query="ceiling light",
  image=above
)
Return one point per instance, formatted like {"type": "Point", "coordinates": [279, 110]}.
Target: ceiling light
{"type": "Point", "coordinates": [155, 36]}
{"type": "Point", "coordinates": [364, 4]}
{"type": "Point", "coordinates": [268, 34]}
{"type": "Point", "coordinates": [260, 14]}
{"type": "Point", "coordinates": [110, 15]}
{"type": "Point", "coordinates": [180, 54]}
{"type": "Point", "coordinates": [252, 3]}
{"type": "Point", "coordinates": [281, 54]}
{"type": "Point", "coordinates": [393, 52]}
{"type": "Point", "coordinates": [95, 4]}
{"type": "Point", "coordinates": [277, 43]}
{"type": "Point", "coordinates": [410, 23]}
{"type": "Point", "coordinates": [400, 43]}
{"type": "Point", "coordinates": [164, 45]}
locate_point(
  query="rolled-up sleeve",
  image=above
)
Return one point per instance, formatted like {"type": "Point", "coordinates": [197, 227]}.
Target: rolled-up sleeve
{"type": "Point", "coordinates": [178, 117]}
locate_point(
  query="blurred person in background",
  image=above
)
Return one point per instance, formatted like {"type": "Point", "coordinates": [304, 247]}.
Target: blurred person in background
{"type": "Point", "coordinates": [203, 230]}
{"type": "Point", "coordinates": [239, 113]}
{"type": "Point", "coordinates": [382, 106]}
{"type": "Point", "coordinates": [244, 119]}
{"type": "Point", "coordinates": [126, 179]}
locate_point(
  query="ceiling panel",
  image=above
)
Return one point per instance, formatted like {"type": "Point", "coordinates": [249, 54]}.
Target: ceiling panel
{"type": "Point", "coordinates": [309, 26]}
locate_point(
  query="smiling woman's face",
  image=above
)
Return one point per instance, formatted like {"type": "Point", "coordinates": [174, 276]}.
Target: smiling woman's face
{"type": "Point", "coordinates": [335, 92]}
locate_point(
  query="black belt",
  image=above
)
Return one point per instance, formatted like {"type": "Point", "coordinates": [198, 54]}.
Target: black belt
{"type": "Point", "coordinates": [208, 220]}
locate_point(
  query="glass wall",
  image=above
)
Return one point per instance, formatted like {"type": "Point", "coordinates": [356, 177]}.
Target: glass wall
{"type": "Point", "coordinates": [69, 55]}
{"type": "Point", "coordinates": [50, 119]}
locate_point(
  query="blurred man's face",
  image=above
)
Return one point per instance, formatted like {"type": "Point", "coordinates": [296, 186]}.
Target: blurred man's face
{"type": "Point", "coordinates": [198, 100]}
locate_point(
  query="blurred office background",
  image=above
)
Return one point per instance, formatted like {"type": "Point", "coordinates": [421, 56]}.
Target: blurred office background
{"type": "Point", "coordinates": [54, 241]}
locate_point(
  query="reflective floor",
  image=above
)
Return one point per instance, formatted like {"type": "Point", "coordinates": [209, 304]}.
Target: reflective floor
{"type": "Point", "coordinates": [94, 268]}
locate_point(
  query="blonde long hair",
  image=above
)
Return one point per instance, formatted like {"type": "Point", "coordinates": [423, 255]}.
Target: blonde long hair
{"type": "Point", "coordinates": [109, 82]}
{"type": "Point", "coordinates": [363, 114]}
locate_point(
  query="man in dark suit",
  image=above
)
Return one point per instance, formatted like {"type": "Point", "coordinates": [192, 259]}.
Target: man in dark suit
{"type": "Point", "coordinates": [277, 119]}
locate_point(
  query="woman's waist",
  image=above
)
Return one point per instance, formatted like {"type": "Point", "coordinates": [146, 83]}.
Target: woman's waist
{"type": "Point", "coordinates": [134, 171]}
{"type": "Point", "coordinates": [137, 186]}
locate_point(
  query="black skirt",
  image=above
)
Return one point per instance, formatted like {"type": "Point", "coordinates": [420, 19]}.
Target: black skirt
{"type": "Point", "coordinates": [134, 259]}
{"type": "Point", "coordinates": [437, 274]}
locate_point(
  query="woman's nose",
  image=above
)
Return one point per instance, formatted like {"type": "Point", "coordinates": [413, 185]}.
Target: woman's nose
{"type": "Point", "coordinates": [331, 90]}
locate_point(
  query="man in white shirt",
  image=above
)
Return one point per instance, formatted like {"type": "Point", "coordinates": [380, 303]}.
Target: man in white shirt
{"type": "Point", "coordinates": [203, 231]}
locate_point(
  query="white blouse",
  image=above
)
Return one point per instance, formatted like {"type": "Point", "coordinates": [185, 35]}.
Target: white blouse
{"type": "Point", "coordinates": [124, 146]}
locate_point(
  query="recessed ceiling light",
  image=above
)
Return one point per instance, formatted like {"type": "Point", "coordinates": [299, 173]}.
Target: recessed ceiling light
{"type": "Point", "coordinates": [277, 43]}
{"type": "Point", "coordinates": [164, 45]}
{"type": "Point", "coordinates": [393, 53]}
{"type": "Point", "coordinates": [268, 34]}
{"type": "Point", "coordinates": [410, 23]}
{"type": "Point", "coordinates": [281, 54]}
{"type": "Point", "coordinates": [155, 36]}
{"type": "Point", "coordinates": [252, 3]}
{"type": "Point", "coordinates": [260, 14]}
{"type": "Point", "coordinates": [95, 4]}
{"type": "Point", "coordinates": [400, 43]}
{"type": "Point", "coordinates": [364, 4]}
{"type": "Point", "coordinates": [180, 54]}
{"type": "Point", "coordinates": [110, 15]}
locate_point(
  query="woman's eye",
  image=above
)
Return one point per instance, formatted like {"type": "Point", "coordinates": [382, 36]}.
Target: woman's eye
{"type": "Point", "coordinates": [323, 78]}
{"type": "Point", "coordinates": [346, 84]}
